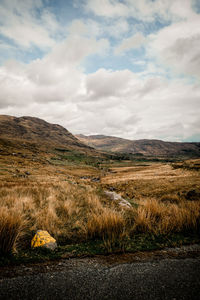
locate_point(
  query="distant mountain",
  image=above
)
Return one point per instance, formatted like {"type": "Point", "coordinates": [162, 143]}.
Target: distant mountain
{"type": "Point", "coordinates": [142, 147]}
{"type": "Point", "coordinates": [36, 133]}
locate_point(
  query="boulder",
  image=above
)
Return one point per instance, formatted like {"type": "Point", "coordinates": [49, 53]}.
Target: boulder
{"type": "Point", "coordinates": [117, 197]}
{"type": "Point", "coordinates": [43, 239]}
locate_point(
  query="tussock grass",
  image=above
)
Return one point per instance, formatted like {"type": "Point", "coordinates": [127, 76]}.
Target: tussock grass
{"type": "Point", "coordinates": [156, 217]}
{"type": "Point", "coordinates": [11, 229]}
{"type": "Point", "coordinates": [108, 225]}
{"type": "Point", "coordinates": [73, 212]}
{"type": "Point", "coordinates": [65, 210]}
{"type": "Point", "coordinates": [161, 194]}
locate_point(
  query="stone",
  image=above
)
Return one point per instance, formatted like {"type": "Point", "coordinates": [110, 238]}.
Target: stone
{"type": "Point", "coordinates": [116, 197]}
{"type": "Point", "coordinates": [85, 177]}
{"type": "Point", "coordinates": [95, 179]}
{"type": "Point", "coordinates": [43, 239]}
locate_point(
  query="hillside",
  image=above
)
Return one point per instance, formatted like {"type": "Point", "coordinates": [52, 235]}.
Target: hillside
{"type": "Point", "coordinates": [143, 147]}
{"type": "Point", "coordinates": [29, 134]}
{"type": "Point", "coordinates": [34, 134]}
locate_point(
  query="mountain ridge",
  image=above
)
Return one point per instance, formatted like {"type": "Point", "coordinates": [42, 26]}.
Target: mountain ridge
{"type": "Point", "coordinates": [153, 147]}
{"type": "Point", "coordinates": [18, 131]}
{"type": "Point", "coordinates": [37, 133]}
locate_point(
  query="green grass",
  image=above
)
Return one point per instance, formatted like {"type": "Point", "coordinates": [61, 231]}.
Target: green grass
{"type": "Point", "coordinates": [139, 242]}
{"type": "Point", "coordinates": [67, 157]}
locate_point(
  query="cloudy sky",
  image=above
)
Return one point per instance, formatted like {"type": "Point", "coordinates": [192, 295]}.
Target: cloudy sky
{"type": "Point", "coordinates": [128, 68]}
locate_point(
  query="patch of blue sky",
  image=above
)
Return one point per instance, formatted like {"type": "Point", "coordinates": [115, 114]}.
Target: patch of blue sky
{"type": "Point", "coordinates": [131, 60]}
{"type": "Point", "coordinates": [65, 11]}
{"type": "Point", "coordinates": [94, 62]}
{"type": "Point", "coordinates": [4, 55]}
{"type": "Point", "coordinates": [24, 57]}
{"type": "Point", "coordinates": [155, 26]}
{"type": "Point", "coordinates": [188, 79]}
{"type": "Point", "coordinates": [10, 50]}
{"type": "Point", "coordinates": [193, 138]}
{"type": "Point", "coordinates": [33, 53]}
{"type": "Point", "coordinates": [7, 49]}
{"type": "Point", "coordinates": [147, 27]}
{"type": "Point", "coordinates": [171, 75]}
{"type": "Point", "coordinates": [167, 73]}
{"type": "Point", "coordinates": [196, 6]}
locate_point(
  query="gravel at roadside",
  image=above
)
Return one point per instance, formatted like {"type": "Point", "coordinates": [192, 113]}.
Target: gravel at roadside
{"type": "Point", "coordinates": [166, 274]}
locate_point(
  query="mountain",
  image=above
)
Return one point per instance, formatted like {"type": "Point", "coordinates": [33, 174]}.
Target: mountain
{"type": "Point", "coordinates": [34, 133]}
{"type": "Point", "coordinates": [142, 147]}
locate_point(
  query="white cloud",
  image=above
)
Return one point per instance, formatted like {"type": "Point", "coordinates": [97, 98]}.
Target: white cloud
{"type": "Point", "coordinates": [75, 48]}
{"type": "Point", "coordinates": [26, 34]}
{"type": "Point", "coordinates": [134, 41]}
{"type": "Point", "coordinates": [115, 28]}
{"type": "Point", "coordinates": [20, 23]}
{"type": "Point", "coordinates": [107, 8]}
{"type": "Point", "coordinates": [78, 27]}
{"type": "Point", "coordinates": [170, 10]}
{"type": "Point", "coordinates": [15, 88]}
{"type": "Point", "coordinates": [104, 84]}
{"type": "Point", "coordinates": [54, 78]}
{"type": "Point", "coordinates": [177, 47]}
{"type": "Point", "coordinates": [91, 28]}
{"type": "Point", "coordinates": [138, 62]}
{"type": "Point", "coordinates": [113, 102]}
{"type": "Point", "coordinates": [108, 102]}
{"type": "Point", "coordinates": [142, 9]}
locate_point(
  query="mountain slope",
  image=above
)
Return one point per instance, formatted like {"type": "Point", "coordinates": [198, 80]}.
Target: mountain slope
{"type": "Point", "coordinates": [144, 147]}
{"type": "Point", "coordinates": [34, 132]}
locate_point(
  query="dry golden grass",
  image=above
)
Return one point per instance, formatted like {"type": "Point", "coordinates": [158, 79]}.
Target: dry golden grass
{"type": "Point", "coordinates": [158, 218]}
{"type": "Point", "coordinates": [150, 172]}
{"type": "Point", "coordinates": [108, 225]}
{"type": "Point", "coordinates": [155, 181]}
{"type": "Point", "coordinates": [161, 193]}
{"type": "Point", "coordinates": [11, 229]}
{"type": "Point", "coordinates": [69, 212]}
{"type": "Point", "coordinates": [57, 200]}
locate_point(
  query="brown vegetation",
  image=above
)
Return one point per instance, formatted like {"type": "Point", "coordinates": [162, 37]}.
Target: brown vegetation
{"type": "Point", "coordinates": [167, 200]}
{"type": "Point", "coordinates": [156, 148]}
{"type": "Point", "coordinates": [77, 210]}
{"type": "Point", "coordinates": [62, 198]}
{"type": "Point", "coordinates": [69, 212]}
{"type": "Point", "coordinates": [11, 229]}
{"type": "Point", "coordinates": [108, 225]}
{"type": "Point", "coordinates": [158, 218]}
{"type": "Point", "coordinates": [46, 183]}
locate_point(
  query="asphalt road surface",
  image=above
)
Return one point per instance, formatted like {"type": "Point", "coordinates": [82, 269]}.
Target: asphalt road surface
{"type": "Point", "coordinates": [124, 278]}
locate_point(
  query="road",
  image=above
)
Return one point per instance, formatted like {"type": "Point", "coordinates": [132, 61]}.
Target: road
{"type": "Point", "coordinates": [106, 278]}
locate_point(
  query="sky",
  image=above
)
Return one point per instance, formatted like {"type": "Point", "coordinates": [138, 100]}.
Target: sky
{"type": "Point", "coordinates": [126, 68]}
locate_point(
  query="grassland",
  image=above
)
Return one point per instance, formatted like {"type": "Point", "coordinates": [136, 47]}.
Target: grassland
{"type": "Point", "coordinates": [63, 193]}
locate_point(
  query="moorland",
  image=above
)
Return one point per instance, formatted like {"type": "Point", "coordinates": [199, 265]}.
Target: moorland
{"type": "Point", "coordinates": [50, 180]}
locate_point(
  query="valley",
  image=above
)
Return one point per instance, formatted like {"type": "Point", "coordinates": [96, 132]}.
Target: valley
{"type": "Point", "coordinates": [142, 148]}
{"type": "Point", "coordinates": [67, 189]}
